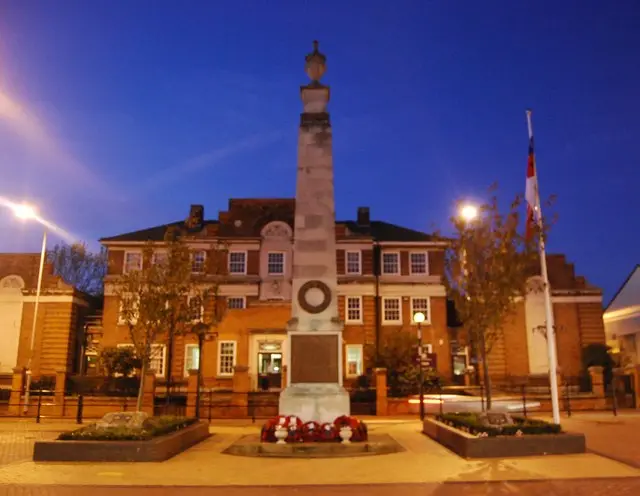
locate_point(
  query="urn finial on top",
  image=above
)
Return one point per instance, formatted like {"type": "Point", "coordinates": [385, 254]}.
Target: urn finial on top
{"type": "Point", "coordinates": [316, 63]}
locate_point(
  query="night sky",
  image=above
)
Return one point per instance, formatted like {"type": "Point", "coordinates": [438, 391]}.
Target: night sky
{"type": "Point", "coordinates": [117, 115]}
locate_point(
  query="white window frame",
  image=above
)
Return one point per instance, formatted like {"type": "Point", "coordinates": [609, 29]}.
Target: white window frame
{"type": "Point", "coordinates": [124, 260]}
{"type": "Point", "coordinates": [244, 302]}
{"type": "Point", "coordinates": [284, 259]}
{"type": "Point", "coordinates": [235, 356]}
{"type": "Point", "coordinates": [204, 261]}
{"type": "Point", "coordinates": [346, 309]}
{"type": "Point", "coordinates": [426, 263]}
{"type": "Point", "coordinates": [187, 348]}
{"type": "Point", "coordinates": [388, 298]}
{"type": "Point", "coordinates": [397, 254]}
{"type": "Point", "coordinates": [245, 255]}
{"type": "Point", "coordinates": [201, 307]}
{"type": "Point", "coordinates": [121, 320]}
{"type": "Point", "coordinates": [427, 319]}
{"type": "Point", "coordinates": [154, 256]}
{"type": "Point", "coordinates": [360, 349]}
{"type": "Point", "coordinates": [346, 262]}
{"type": "Point", "coordinates": [155, 345]}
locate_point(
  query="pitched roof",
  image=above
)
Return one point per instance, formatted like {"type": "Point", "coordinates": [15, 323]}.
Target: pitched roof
{"type": "Point", "coordinates": [629, 292]}
{"type": "Point", "coordinates": [378, 230]}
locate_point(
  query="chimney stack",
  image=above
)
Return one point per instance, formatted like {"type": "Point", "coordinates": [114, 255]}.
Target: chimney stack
{"type": "Point", "coordinates": [364, 218]}
{"type": "Point", "coordinates": [195, 221]}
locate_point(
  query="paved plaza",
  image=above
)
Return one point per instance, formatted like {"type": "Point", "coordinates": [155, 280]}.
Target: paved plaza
{"type": "Point", "coordinates": [425, 468]}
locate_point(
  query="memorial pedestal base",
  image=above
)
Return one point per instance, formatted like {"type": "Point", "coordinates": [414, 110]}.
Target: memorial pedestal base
{"type": "Point", "coordinates": [319, 402]}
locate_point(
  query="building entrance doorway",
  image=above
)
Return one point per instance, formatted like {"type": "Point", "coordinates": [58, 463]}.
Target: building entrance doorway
{"type": "Point", "coordinates": [269, 370]}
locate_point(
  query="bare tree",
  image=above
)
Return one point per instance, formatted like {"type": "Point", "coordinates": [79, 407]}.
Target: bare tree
{"type": "Point", "coordinates": [487, 266]}
{"type": "Point", "coordinates": [79, 267]}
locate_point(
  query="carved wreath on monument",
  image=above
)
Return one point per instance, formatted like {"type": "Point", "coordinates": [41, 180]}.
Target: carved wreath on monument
{"type": "Point", "coordinates": [303, 296]}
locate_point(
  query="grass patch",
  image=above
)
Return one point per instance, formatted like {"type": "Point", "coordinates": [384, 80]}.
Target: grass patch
{"type": "Point", "coordinates": [470, 422]}
{"type": "Point", "coordinates": [152, 427]}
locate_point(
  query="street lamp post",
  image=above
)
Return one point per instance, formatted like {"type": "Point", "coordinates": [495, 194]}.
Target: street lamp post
{"type": "Point", "coordinates": [419, 318]}
{"type": "Point", "coordinates": [27, 212]}
{"type": "Point", "coordinates": [201, 330]}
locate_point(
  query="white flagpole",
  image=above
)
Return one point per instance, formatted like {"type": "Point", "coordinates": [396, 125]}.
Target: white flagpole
{"type": "Point", "coordinates": [548, 306]}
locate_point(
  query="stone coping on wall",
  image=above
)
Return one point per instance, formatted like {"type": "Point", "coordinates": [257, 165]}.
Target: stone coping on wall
{"type": "Point", "coordinates": [470, 446]}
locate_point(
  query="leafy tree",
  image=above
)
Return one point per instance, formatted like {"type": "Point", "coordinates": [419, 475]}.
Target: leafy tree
{"type": "Point", "coordinates": [488, 263]}
{"type": "Point", "coordinates": [164, 299]}
{"type": "Point", "coordinates": [114, 360]}
{"type": "Point", "coordinates": [79, 267]}
{"type": "Point", "coordinates": [398, 354]}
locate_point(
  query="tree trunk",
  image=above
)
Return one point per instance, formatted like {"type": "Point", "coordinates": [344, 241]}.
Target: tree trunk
{"type": "Point", "coordinates": [143, 372]}
{"type": "Point", "coordinates": [485, 370]}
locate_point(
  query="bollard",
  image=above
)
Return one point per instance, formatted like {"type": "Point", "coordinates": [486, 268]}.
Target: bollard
{"type": "Point", "coordinates": [567, 395]}
{"type": "Point", "coordinates": [39, 405]}
{"type": "Point", "coordinates": [79, 409]}
{"type": "Point", "coordinates": [210, 399]}
{"type": "Point", "coordinates": [524, 400]}
{"type": "Point", "coordinates": [614, 402]}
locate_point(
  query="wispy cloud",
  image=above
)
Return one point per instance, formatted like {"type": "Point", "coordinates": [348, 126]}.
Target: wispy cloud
{"type": "Point", "coordinates": [210, 159]}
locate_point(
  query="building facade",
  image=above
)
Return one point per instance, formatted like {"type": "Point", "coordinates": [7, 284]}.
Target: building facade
{"type": "Point", "coordinates": [62, 311]}
{"type": "Point", "coordinates": [386, 273]}
{"type": "Point", "coordinates": [622, 320]}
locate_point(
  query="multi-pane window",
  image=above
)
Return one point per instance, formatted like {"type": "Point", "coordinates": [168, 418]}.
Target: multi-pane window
{"type": "Point", "coordinates": [132, 261]}
{"type": "Point", "coordinates": [226, 357]}
{"type": "Point", "coordinates": [275, 263]}
{"type": "Point", "coordinates": [354, 360]}
{"type": "Point", "coordinates": [196, 309]}
{"type": "Point", "coordinates": [391, 310]}
{"type": "Point", "coordinates": [191, 358]}
{"type": "Point", "coordinates": [237, 262]}
{"type": "Point", "coordinates": [390, 263]}
{"type": "Point", "coordinates": [418, 262]}
{"type": "Point", "coordinates": [128, 310]}
{"type": "Point", "coordinates": [420, 305]}
{"type": "Point", "coordinates": [353, 262]}
{"type": "Point", "coordinates": [353, 309]}
{"type": "Point", "coordinates": [235, 302]}
{"type": "Point", "coordinates": [197, 261]}
{"type": "Point", "coordinates": [156, 359]}
{"type": "Point", "coordinates": [159, 258]}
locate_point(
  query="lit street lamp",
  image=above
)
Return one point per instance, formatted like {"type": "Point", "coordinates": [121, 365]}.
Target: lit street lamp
{"type": "Point", "coordinates": [27, 212]}
{"type": "Point", "coordinates": [468, 212]}
{"type": "Point", "coordinates": [419, 318]}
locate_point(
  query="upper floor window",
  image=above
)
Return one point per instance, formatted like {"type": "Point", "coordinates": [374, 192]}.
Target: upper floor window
{"type": "Point", "coordinates": [353, 262]}
{"type": "Point", "coordinates": [237, 262]}
{"type": "Point", "coordinates": [392, 310]}
{"type": "Point", "coordinates": [198, 259]}
{"type": "Point", "coordinates": [418, 262]}
{"type": "Point", "coordinates": [196, 308]}
{"type": "Point", "coordinates": [391, 263]}
{"type": "Point", "coordinates": [353, 310]}
{"type": "Point", "coordinates": [132, 261]}
{"type": "Point", "coordinates": [421, 304]}
{"type": "Point", "coordinates": [275, 263]}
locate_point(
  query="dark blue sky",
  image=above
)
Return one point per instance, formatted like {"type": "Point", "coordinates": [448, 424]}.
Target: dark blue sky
{"type": "Point", "coordinates": [116, 115]}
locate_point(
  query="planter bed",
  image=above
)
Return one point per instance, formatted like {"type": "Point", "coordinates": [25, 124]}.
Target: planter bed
{"type": "Point", "coordinates": [499, 446]}
{"type": "Point", "coordinates": [156, 449]}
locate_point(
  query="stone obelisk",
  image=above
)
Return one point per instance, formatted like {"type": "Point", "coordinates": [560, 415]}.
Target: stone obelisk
{"type": "Point", "coordinates": [315, 389]}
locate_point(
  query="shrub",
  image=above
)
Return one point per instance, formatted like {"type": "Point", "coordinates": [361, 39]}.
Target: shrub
{"type": "Point", "coordinates": [470, 422]}
{"type": "Point", "coordinates": [152, 427]}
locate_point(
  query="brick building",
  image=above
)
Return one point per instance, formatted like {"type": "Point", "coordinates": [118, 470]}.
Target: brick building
{"type": "Point", "coordinates": [386, 272]}
{"type": "Point", "coordinates": [61, 314]}
{"type": "Point", "coordinates": [399, 268]}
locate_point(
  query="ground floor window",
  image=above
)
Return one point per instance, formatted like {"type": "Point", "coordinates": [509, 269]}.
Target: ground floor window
{"type": "Point", "coordinates": [191, 358]}
{"type": "Point", "coordinates": [354, 360]}
{"type": "Point", "coordinates": [226, 357]}
{"type": "Point", "coordinates": [157, 357]}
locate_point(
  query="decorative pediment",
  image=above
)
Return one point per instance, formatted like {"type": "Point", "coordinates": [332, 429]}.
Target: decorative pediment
{"type": "Point", "coordinates": [12, 282]}
{"type": "Point", "coordinates": [277, 229]}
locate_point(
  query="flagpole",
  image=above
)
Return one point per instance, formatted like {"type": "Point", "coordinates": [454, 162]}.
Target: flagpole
{"type": "Point", "coordinates": [548, 306]}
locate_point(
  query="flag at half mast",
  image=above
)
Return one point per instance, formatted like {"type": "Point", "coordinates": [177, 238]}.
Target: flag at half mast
{"type": "Point", "coordinates": [532, 197]}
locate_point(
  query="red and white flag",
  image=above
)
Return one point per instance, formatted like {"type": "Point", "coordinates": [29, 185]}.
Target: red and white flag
{"type": "Point", "coordinates": [531, 192]}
